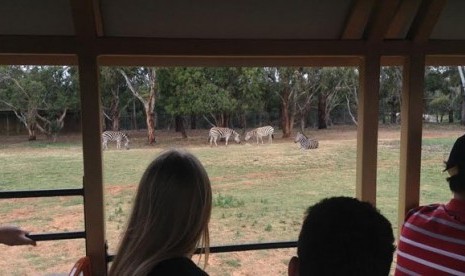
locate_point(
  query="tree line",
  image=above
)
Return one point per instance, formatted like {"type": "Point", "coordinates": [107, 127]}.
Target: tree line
{"type": "Point", "coordinates": [42, 96]}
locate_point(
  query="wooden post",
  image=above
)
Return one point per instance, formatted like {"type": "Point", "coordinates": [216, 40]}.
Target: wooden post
{"type": "Point", "coordinates": [367, 130]}
{"type": "Point", "coordinates": [411, 133]}
{"type": "Point", "coordinates": [93, 177]}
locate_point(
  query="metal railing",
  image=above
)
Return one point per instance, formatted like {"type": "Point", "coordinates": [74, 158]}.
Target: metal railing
{"type": "Point", "coordinates": [48, 193]}
{"type": "Point", "coordinates": [109, 258]}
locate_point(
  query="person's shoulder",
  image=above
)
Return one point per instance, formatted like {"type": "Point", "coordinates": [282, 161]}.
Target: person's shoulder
{"type": "Point", "coordinates": [177, 266]}
{"type": "Point", "coordinates": [422, 210]}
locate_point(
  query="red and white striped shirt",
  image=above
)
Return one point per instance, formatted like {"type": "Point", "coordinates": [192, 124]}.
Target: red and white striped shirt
{"type": "Point", "coordinates": [432, 241]}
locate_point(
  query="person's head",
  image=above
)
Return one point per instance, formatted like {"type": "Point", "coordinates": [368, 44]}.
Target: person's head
{"type": "Point", "coordinates": [343, 236]}
{"type": "Point", "coordinates": [455, 166]}
{"type": "Point", "coordinates": [170, 214]}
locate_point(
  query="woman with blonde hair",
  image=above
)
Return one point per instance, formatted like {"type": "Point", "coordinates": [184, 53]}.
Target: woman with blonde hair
{"type": "Point", "coordinates": [169, 219]}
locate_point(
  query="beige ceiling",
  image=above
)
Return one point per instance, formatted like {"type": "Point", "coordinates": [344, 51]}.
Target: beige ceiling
{"type": "Point", "coordinates": [232, 28]}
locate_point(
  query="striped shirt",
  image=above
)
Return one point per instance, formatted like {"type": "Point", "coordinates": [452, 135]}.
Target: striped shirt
{"type": "Point", "coordinates": [432, 241]}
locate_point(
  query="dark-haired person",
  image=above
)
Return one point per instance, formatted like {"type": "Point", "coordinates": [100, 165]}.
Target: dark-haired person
{"type": "Point", "coordinates": [432, 240]}
{"type": "Point", "coordinates": [12, 235]}
{"type": "Point", "coordinates": [343, 236]}
{"type": "Point", "coordinates": [169, 219]}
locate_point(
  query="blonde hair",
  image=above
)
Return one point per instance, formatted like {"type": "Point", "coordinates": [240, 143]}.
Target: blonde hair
{"type": "Point", "coordinates": [170, 215]}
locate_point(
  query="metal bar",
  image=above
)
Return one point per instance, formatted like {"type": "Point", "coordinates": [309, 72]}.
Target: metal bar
{"type": "Point", "coordinates": [42, 193]}
{"type": "Point", "coordinates": [241, 247]}
{"type": "Point", "coordinates": [57, 236]}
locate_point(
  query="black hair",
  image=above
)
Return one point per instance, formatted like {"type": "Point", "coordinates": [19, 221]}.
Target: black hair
{"type": "Point", "coordinates": [345, 236]}
{"type": "Point", "coordinates": [457, 182]}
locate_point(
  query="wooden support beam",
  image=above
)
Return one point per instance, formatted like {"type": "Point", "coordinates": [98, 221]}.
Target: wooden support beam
{"type": "Point", "coordinates": [358, 19]}
{"type": "Point", "coordinates": [411, 134]}
{"type": "Point", "coordinates": [367, 130]}
{"type": "Point", "coordinates": [427, 17]}
{"type": "Point", "coordinates": [445, 60]}
{"type": "Point", "coordinates": [84, 18]}
{"type": "Point", "coordinates": [34, 59]}
{"type": "Point", "coordinates": [126, 46]}
{"type": "Point", "coordinates": [403, 19]}
{"type": "Point", "coordinates": [99, 30]}
{"type": "Point", "coordinates": [93, 176]}
{"type": "Point", "coordinates": [384, 14]}
{"type": "Point", "coordinates": [227, 61]}
{"type": "Point", "coordinates": [45, 45]}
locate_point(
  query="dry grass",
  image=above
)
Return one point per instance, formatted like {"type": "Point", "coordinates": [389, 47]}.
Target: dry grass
{"type": "Point", "coordinates": [261, 192]}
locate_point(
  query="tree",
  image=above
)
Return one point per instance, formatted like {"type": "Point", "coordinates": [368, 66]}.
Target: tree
{"type": "Point", "coordinates": [307, 80]}
{"type": "Point", "coordinates": [245, 88]}
{"type": "Point", "coordinates": [349, 88]}
{"type": "Point", "coordinates": [328, 96]}
{"type": "Point", "coordinates": [142, 82]}
{"type": "Point", "coordinates": [462, 86]}
{"type": "Point", "coordinates": [282, 81]}
{"type": "Point", "coordinates": [214, 93]}
{"type": "Point", "coordinates": [390, 92]}
{"type": "Point", "coordinates": [40, 96]}
{"type": "Point", "coordinates": [114, 96]}
{"type": "Point", "coordinates": [443, 93]}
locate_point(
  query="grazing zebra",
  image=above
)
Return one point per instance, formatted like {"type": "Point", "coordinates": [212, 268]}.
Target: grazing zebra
{"type": "Point", "coordinates": [222, 132]}
{"type": "Point", "coordinates": [305, 142]}
{"type": "Point", "coordinates": [261, 132]}
{"type": "Point", "coordinates": [117, 136]}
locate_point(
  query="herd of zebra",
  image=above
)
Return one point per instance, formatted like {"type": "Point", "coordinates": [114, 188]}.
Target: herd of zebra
{"type": "Point", "coordinates": [217, 133]}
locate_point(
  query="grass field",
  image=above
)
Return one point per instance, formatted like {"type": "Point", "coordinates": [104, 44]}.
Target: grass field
{"type": "Point", "coordinates": [260, 192]}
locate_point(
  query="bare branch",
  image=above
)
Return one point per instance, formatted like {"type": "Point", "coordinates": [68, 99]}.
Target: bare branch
{"type": "Point", "coordinates": [131, 87]}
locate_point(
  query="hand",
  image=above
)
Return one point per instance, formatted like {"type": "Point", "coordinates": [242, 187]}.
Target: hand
{"type": "Point", "coordinates": [12, 235]}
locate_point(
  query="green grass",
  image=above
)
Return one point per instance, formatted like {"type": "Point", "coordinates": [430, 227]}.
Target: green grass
{"type": "Point", "coordinates": [260, 193]}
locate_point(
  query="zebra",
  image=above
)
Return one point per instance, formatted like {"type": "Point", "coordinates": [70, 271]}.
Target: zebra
{"type": "Point", "coordinates": [305, 142]}
{"type": "Point", "coordinates": [261, 132]}
{"type": "Point", "coordinates": [117, 136]}
{"type": "Point", "coordinates": [222, 132]}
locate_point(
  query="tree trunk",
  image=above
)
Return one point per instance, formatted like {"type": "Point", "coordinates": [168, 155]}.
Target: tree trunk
{"type": "Point", "coordinates": [220, 120]}
{"type": "Point", "coordinates": [115, 111]}
{"type": "Point", "coordinates": [31, 128]}
{"type": "Point", "coordinates": [393, 117]}
{"type": "Point", "coordinates": [134, 115]}
{"type": "Point", "coordinates": [451, 116]}
{"type": "Point", "coordinates": [177, 122]}
{"type": "Point", "coordinates": [302, 124]}
{"type": "Point", "coordinates": [150, 126]}
{"type": "Point", "coordinates": [285, 117]}
{"type": "Point", "coordinates": [180, 126]}
{"type": "Point", "coordinates": [462, 114]}
{"type": "Point", "coordinates": [193, 121]}
{"type": "Point", "coordinates": [322, 112]}
{"type": "Point", "coordinates": [227, 120]}
{"type": "Point", "coordinates": [462, 90]}
{"type": "Point", "coordinates": [115, 125]}
{"type": "Point", "coordinates": [243, 121]}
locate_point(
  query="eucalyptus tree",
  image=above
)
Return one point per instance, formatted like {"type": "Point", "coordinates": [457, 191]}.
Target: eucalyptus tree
{"type": "Point", "coordinates": [115, 96]}
{"type": "Point", "coordinates": [195, 91]}
{"type": "Point", "coordinates": [283, 82]}
{"type": "Point", "coordinates": [246, 88]}
{"type": "Point", "coordinates": [306, 89]}
{"type": "Point", "coordinates": [443, 91]}
{"type": "Point", "coordinates": [390, 92]}
{"type": "Point", "coordinates": [142, 82]}
{"type": "Point", "coordinates": [329, 96]}
{"type": "Point", "coordinates": [349, 88]}
{"type": "Point", "coordinates": [40, 96]}
{"type": "Point", "coordinates": [461, 72]}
